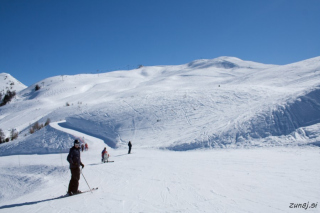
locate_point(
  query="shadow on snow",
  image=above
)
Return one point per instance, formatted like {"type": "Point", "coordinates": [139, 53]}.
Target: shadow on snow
{"type": "Point", "coordinates": [31, 203]}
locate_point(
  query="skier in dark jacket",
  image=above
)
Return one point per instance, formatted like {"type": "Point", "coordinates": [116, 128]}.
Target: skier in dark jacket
{"type": "Point", "coordinates": [75, 163]}
{"type": "Point", "coordinates": [130, 145]}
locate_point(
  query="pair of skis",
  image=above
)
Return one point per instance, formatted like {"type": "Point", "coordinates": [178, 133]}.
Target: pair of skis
{"type": "Point", "coordinates": [90, 190]}
{"type": "Point", "coordinates": [108, 161]}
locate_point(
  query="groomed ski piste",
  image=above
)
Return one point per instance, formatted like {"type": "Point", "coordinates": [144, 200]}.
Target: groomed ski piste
{"type": "Point", "coordinates": [219, 135]}
{"type": "Point", "coordinates": [223, 180]}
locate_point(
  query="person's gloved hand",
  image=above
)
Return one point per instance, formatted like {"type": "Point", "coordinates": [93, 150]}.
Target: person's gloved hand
{"type": "Point", "coordinates": [82, 165]}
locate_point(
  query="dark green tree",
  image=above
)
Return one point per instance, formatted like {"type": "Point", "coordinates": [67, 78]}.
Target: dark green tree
{"type": "Point", "coordinates": [2, 137]}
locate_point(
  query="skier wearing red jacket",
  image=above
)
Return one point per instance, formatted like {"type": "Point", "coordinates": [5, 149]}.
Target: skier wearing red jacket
{"type": "Point", "coordinates": [104, 155]}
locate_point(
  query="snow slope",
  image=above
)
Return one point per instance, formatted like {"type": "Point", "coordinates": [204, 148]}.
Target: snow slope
{"type": "Point", "coordinates": [267, 116]}
{"type": "Point", "coordinates": [222, 102]}
{"type": "Point", "coordinates": [150, 180]}
{"type": "Point", "coordinates": [7, 82]}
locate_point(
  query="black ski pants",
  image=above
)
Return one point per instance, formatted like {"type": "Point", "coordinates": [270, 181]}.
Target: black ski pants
{"type": "Point", "coordinates": [74, 181]}
{"type": "Point", "coordinates": [129, 150]}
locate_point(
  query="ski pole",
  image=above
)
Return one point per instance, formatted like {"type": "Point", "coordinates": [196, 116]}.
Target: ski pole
{"type": "Point", "coordinates": [85, 180]}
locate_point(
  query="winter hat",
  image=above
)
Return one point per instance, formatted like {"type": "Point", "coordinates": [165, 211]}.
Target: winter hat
{"type": "Point", "coordinates": [76, 142]}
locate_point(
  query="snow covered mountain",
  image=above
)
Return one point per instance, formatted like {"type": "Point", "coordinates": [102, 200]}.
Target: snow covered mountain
{"type": "Point", "coordinates": [222, 102]}
{"type": "Point", "coordinates": [7, 82]}
{"type": "Point", "coordinates": [218, 103]}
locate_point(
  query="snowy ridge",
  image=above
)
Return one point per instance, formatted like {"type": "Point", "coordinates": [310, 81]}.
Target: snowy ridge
{"type": "Point", "coordinates": [214, 103]}
{"type": "Point", "coordinates": [7, 82]}
{"type": "Point", "coordinates": [47, 141]}
{"type": "Point", "coordinates": [227, 63]}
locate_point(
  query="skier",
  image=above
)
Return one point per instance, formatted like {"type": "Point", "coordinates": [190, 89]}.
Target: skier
{"type": "Point", "coordinates": [74, 160]}
{"type": "Point", "coordinates": [82, 147]}
{"type": "Point", "coordinates": [104, 155]}
{"type": "Point", "coordinates": [86, 147]}
{"type": "Point", "coordinates": [130, 145]}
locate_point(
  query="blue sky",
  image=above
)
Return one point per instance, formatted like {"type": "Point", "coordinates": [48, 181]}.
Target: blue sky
{"type": "Point", "coordinates": [45, 38]}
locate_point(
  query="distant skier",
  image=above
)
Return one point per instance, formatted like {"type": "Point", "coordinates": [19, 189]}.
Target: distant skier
{"type": "Point", "coordinates": [82, 147]}
{"type": "Point", "coordinates": [74, 160]}
{"type": "Point", "coordinates": [86, 147]}
{"type": "Point", "coordinates": [130, 145]}
{"type": "Point", "coordinates": [104, 155]}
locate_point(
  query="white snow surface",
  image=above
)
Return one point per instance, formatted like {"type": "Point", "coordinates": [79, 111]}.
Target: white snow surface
{"type": "Point", "coordinates": [265, 179]}
{"type": "Point", "coordinates": [7, 82]}
{"type": "Point", "coordinates": [249, 133]}
{"type": "Point", "coordinates": [222, 102]}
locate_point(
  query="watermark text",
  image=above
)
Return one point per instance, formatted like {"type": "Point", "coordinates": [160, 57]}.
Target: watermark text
{"type": "Point", "coordinates": [305, 206]}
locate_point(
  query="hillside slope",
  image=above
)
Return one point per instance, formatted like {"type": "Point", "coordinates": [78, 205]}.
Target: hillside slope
{"type": "Point", "coordinates": [222, 102]}
{"type": "Point", "coordinates": [7, 82]}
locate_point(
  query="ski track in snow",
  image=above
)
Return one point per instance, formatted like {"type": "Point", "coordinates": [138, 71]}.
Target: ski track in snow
{"type": "Point", "coordinates": [216, 103]}
{"type": "Point", "coordinates": [148, 180]}
{"type": "Point", "coordinates": [240, 103]}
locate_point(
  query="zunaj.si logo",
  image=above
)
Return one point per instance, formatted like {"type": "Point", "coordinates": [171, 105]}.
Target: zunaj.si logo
{"type": "Point", "coordinates": [303, 205]}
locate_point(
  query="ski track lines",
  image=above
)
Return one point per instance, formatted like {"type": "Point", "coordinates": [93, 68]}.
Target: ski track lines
{"type": "Point", "coordinates": [163, 181]}
{"type": "Point", "coordinates": [257, 180]}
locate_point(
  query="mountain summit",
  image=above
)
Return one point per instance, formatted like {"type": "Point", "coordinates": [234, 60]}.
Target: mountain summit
{"type": "Point", "coordinates": [7, 82]}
